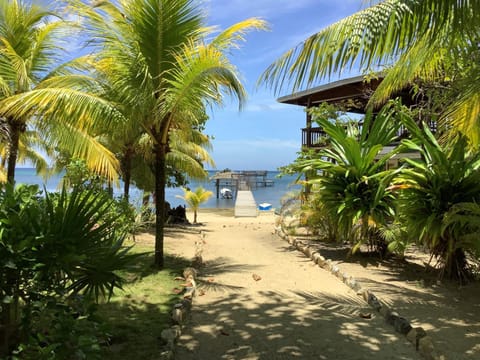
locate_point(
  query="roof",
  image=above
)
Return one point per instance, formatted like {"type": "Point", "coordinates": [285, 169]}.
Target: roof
{"type": "Point", "coordinates": [355, 88]}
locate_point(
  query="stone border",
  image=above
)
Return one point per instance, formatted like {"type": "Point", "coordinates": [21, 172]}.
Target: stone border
{"type": "Point", "coordinates": [416, 335]}
{"type": "Point", "coordinates": [181, 311]}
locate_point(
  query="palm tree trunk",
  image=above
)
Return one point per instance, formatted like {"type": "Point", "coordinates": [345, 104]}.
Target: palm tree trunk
{"type": "Point", "coordinates": [160, 182]}
{"type": "Point", "coordinates": [127, 173]}
{"type": "Point", "coordinates": [15, 130]}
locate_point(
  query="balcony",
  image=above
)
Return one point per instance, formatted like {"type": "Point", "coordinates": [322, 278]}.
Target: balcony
{"type": "Point", "coordinates": [315, 137]}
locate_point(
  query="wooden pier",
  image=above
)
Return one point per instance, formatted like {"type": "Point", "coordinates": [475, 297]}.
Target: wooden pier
{"type": "Point", "coordinates": [245, 205]}
{"type": "Point", "coordinates": [241, 180]}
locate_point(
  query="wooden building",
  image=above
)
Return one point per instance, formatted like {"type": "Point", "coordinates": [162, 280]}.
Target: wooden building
{"type": "Point", "coordinates": [353, 94]}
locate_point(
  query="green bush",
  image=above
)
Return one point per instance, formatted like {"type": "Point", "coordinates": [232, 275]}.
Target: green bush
{"type": "Point", "coordinates": [55, 248]}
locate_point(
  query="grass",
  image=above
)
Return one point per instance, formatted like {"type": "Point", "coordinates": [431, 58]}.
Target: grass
{"type": "Point", "coordinates": [137, 315]}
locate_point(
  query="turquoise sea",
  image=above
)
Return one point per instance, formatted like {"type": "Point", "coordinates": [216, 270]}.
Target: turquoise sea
{"type": "Point", "coordinates": [270, 194]}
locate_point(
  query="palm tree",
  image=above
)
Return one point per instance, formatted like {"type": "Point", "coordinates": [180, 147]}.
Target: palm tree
{"type": "Point", "coordinates": [428, 39]}
{"type": "Point", "coordinates": [195, 198]}
{"type": "Point", "coordinates": [167, 69]}
{"type": "Point", "coordinates": [36, 89]}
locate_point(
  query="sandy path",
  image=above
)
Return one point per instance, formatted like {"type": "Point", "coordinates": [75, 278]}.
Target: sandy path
{"type": "Point", "coordinates": [295, 311]}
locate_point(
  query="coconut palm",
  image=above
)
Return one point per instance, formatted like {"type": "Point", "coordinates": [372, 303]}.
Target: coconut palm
{"type": "Point", "coordinates": [37, 90]}
{"type": "Point", "coordinates": [195, 198]}
{"type": "Point", "coordinates": [427, 39]}
{"type": "Point", "coordinates": [167, 69]}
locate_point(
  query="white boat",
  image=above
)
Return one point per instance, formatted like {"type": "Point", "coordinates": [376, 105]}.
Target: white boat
{"type": "Point", "coordinates": [226, 193]}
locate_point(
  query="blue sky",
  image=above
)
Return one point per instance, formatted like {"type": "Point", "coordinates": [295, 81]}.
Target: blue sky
{"type": "Point", "coordinates": [266, 134]}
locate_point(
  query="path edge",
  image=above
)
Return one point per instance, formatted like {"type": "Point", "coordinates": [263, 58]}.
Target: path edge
{"type": "Point", "coordinates": [415, 335]}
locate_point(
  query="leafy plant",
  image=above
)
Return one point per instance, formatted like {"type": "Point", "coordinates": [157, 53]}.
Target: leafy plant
{"type": "Point", "coordinates": [55, 247]}
{"type": "Point", "coordinates": [317, 219]}
{"type": "Point", "coordinates": [352, 183]}
{"type": "Point", "coordinates": [438, 196]}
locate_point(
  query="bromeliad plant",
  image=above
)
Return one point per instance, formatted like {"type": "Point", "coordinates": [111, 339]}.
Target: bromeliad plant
{"type": "Point", "coordinates": [351, 177]}
{"type": "Point", "coordinates": [436, 199]}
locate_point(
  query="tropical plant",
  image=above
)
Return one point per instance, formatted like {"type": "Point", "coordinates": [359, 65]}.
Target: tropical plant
{"type": "Point", "coordinates": [195, 198]}
{"type": "Point", "coordinates": [167, 69]}
{"type": "Point", "coordinates": [350, 177]}
{"type": "Point", "coordinates": [415, 39]}
{"type": "Point", "coordinates": [53, 248]}
{"type": "Point", "coordinates": [316, 217]}
{"type": "Point", "coordinates": [37, 90]}
{"type": "Point", "coordinates": [436, 196]}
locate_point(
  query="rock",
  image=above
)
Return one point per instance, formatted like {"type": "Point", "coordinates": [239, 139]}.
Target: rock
{"type": "Point", "coordinates": [335, 269]}
{"type": "Point", "coordinates": [177, 331]}
{"type": "Point", "coordinates": [190, 271]}
{"type": "Point", "coordinates": [426, 349]}
{"type": "Point", "coordinates": [415, 335]}
{"type": "Point", "coordinates": [256, 277]}
{"type": "Point", "coordinates": [328, 264]}
{"type": "Point", "coordinates": [402, 326]}
{"type": "Point", "coordinates": [166, 355]}
{"type": "Point", "coordinates": [373, 301]}
{"type": "Point", "coordinates": [308, 251]}
{"type": "Point", "coordinates": [390, 317]}
{"type": "Point", "coordinates": [178, 314]}
{"type": "Point", "coordinates": [354, 284]}
{"type": "Point", "coordinates": [385, 311]}
{"type": "Point", "coordinates": [168, 336]}
{"type": "Point", "coordinates": [321, 261]}
{"type": "Point", "coordinates": [364, 294]}
{"type": "Point", "coordinates": [315, 257]}
{"type": "Point", "coordinates": [187, 304]}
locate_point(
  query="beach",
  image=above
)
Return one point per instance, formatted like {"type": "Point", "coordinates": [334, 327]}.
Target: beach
{"type": "Point", "coordinates": [259, 298]}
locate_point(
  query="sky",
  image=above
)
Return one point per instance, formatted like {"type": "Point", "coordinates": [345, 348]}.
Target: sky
{"type": "Point", "coordinates": [266, 134]}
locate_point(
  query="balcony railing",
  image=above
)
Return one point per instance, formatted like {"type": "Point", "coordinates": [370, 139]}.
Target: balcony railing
{"type": "Point", "coordinates": [315, 137]}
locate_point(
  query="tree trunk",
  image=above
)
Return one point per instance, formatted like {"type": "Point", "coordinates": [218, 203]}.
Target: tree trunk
{"type": "Point", "coordinates": [456, 266]}
{"type": "Point", "coordinates": [195, 216]}
{"type": "Point", "coordinates": [160, 182]}
{"type": "Point", "coordinates": [15, 130]}
{"type": "Point", "coordinates": [127, 173]}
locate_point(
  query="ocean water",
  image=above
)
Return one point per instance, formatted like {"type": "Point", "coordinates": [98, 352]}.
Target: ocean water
{"type": "Point", "coordinates": [270, 194]}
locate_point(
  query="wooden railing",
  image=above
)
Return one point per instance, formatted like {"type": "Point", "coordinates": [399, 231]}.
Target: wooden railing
{"type": "Point", "coordinates": [315, 137]}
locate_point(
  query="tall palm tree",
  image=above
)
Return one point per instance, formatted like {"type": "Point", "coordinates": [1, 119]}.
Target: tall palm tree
{"type": "Point", "coordinates": [36, 88]}
{"type": "Point", "coordinates": [427, 39]}
{"type": "Point", "coordinates": [167, 69]}
{"type": "Point", "coordinates": [129, 140]}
